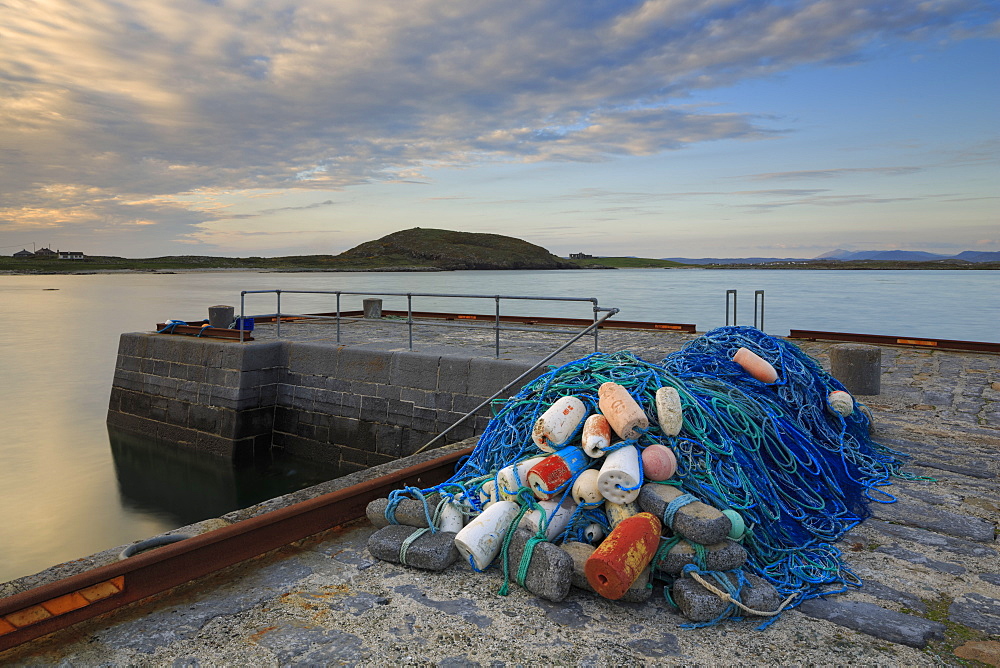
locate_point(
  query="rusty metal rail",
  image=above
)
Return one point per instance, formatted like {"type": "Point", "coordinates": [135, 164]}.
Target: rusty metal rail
{"type": "Point", "coordinates": [918, 342]}
{"type": "Point", "coordinates": [526, 320]}
{"type": "Point", "coordinates": [58, 605]}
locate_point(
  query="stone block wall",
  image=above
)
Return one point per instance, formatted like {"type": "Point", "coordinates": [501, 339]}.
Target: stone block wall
{"type": "Point", "coordinates": [352, 406]}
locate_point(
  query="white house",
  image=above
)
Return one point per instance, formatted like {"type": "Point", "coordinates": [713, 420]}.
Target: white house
{"type": "Point", "coordinates": [70, 255]}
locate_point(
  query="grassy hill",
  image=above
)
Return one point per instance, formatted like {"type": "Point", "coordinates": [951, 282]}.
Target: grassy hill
{"type": "Point", "coordinates": [446, 249]}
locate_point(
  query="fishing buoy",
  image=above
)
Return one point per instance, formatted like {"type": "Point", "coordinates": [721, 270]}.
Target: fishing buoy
{"type": "Point", "coordinates": [480, 540]}
{"type": "Point", "coordinates": [623, 556]}
{"type": "Point", "coordinates": [658, 462]}
{"type": "Point", "coordinates": [585, 489]}
{"type": "Point", "coordinates": [669, 415]}
{"type": "Point", "coordinates": [560, 514]}
{"type": "Point", "coordinates": [593, 532]}
{"type": "Point", "coordinates": [596, 435]}
{"type": "Point", "coordinates": [451, 518]}
{"type": "Point", "coordinates": [840, 402]}
{"type": "Point", "coordinates": [547, 477]}
{"type": "Point", "coordinates": [508, 484]}
{"type": "Point", "coordinates": [755, 365]}
{"type": "Point", "coordinates": [622, 411]}
{"type": "Point", "coordinates": [488, 492]}
{"type": "Point", "coordinates": [739, 525]}
{"type": "Point", "coordinates": [619, 480]}
{"type": "Point", "coordinates": [619, 512]}
{"type": "Point", "coordinates": [558, 424]}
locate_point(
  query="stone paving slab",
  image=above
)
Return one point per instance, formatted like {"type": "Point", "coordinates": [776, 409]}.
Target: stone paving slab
{"type": "Point", "coordinates": [327, 601]}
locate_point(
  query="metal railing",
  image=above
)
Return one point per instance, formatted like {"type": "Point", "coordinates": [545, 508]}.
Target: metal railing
{"type": "Point", "coordinates": [758, 308]}
{"type": "Point", "coordinates": [338, 316]}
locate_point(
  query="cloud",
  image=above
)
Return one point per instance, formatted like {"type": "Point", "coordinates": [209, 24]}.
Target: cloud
{"type": "Point", "coordinates": [832, 173]}
{"type": "Point", "coordinates": [124, 103]}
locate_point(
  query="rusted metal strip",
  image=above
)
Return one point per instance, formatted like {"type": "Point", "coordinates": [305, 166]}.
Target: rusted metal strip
{"type": "Point", "coordinates": [198, 329]}
{"type": "Point", "coordinates": [58, 605]}
{"type": "Point", "coordinates": [922, 342]}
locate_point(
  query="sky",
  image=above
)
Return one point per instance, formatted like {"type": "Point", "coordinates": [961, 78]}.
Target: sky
{"type": "Point", "coordinates": [657, 128]}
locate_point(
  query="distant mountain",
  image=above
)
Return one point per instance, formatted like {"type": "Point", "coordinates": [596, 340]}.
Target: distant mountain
{"type": "Point", "coordinates": [979, 256]}
{"type": "Point", "coordinates": [849, 256]}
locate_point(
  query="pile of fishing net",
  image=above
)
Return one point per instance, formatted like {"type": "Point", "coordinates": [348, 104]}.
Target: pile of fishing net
{"type": "Point", "coordinates": [739, 466]}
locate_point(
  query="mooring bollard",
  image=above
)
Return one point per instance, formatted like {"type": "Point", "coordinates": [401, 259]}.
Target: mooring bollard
{"type": "Point", "coordinates": [221, 316]}
{"type": "Point", "coordinates": [373, 308]}
{"type": "Point", "coordinates": [857, 366]}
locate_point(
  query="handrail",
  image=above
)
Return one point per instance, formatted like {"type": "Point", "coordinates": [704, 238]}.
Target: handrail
{"type": "Point", "coordinates": [410, 321]}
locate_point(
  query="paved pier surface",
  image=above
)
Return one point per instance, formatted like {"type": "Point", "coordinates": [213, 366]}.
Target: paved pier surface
{"type": "Point", "coordinates": [930, 564]}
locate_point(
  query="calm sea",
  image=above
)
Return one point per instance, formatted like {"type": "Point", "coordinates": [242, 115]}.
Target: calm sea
{"type": "Point", "coordinates": [68, 490]}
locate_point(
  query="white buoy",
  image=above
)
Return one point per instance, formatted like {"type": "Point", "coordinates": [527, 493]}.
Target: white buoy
{"type": "Point", "coordinates": [668, 411]}
{"type": "Point", "coordinates": [585, 489]}
{"type": "Point", "coordinates": [622, 411]}
{"type": "Point", "coordinates": [593, 532]}
{"type": "Point", "coordinates": [488, 492]}
{"type": "Point", "coordinates": [619, 474]}
{"type": "Point", "coordinates": [563, 513]}
{"type": "Point", "coordinates": [840, 402]}
{"type": "Point", "coordinates": [482, 538]}
{"type": "Point", "coordinates": [508, 485]}
{"type": "Point", "coordinates": [451, 518]}
{"type": "Point", "coordinates": [596, 435]}
{"type": "Point", "coordinates": [558, 424]}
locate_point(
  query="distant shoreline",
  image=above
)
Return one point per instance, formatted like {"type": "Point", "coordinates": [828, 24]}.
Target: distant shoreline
{"type": "Point", "coordinates": [847, 266]}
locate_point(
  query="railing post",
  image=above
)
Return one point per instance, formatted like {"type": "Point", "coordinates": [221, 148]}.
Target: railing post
{"type": "Point", "coordinates": [758, 293]}
{"type": "Point", "coordinates": [409, 316]}
{"type": "Point", "coordinates": [277, 319]}
{"type": "Point", "coordinates": [595, 328]}
{"type": "Point", "coordinates": [243, 298]}
{"type": "Point", "coordinates": [497, 328]}
{"type": "Point", "coordinates": [733, 293]}
{"type": "Point", "coordinates": [338, 316]}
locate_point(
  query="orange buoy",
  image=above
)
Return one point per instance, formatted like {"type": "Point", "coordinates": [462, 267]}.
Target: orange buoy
{"type": "Point", "coordinates": [596, 435]}
{"type": "Point", "coordinates": [621, 410]}
{"type": "Point", "coordinates": [623, 556]}
{"type": "Point", "coordinates": [755, 365]}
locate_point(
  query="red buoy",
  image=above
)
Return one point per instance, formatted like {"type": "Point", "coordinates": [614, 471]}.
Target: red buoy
{"type": "Point", "coordinates": [623, 556]}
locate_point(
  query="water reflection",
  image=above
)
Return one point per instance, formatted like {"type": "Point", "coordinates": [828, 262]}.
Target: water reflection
{"type": "Point", "coordinates": [180, 486]}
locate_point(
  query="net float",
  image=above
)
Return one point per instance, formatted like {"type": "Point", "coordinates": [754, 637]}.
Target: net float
{"type": "Point", "coordinates": [669, 415]}
{"type": "Point", "coordinates": [658, 462]}
{"type": "Point", "coordinates": [618, 512]}
{"type": "Point", "coordinates": [840, 402]}
{"type": "Point", "coordinates": [623, 556]}
{"type": "Point", "coordinates": [511, 478]}
{"type": "Point", "coordinates": [596, 435]}
{"type": "Point", "coordinates": [585, 489]}
{"type": "Point", "coordinates": [556, 514]}
{"type": "Point", "coordinates": [593, 532]}
{"type": "Point", "coordinates": [451, 518]}
{"type": "Point", "coordinates": [625, 415]}
{"type": "Point", "coordinates": [619, 480]}
{"type": "Point", "coordinates": [558, 424]}
{"type": "Point", "coordinates": [755, 365]}
{"type": "Point", "coordinates": [552, 473]}
{"type": "Point", "coordinates": [480, 540]}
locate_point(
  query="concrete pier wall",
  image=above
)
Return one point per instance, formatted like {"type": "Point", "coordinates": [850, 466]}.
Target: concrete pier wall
{"type": "Point", "coordinates": [352, 406]}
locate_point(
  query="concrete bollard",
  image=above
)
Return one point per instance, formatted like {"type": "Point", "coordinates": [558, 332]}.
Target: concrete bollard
{"type": "Point", "coordinates": [551, 569]}
{"type": "Point", "coordinates": [373, 308]}
{"type": "Point", "coordinates": [221, 316]}
{"type": "Point", "coordinates": [724, 556]}
{"type": "Point", "coordinates": [698, 522]}
{"type": "Point", "coordinates": [700, 605]}
{"type": "Point", "coordinates": [857, 366]}
{"type": "Point", "coordinates": [431, 551]}
{"type": "Point", "coordinates": [410, 512]}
